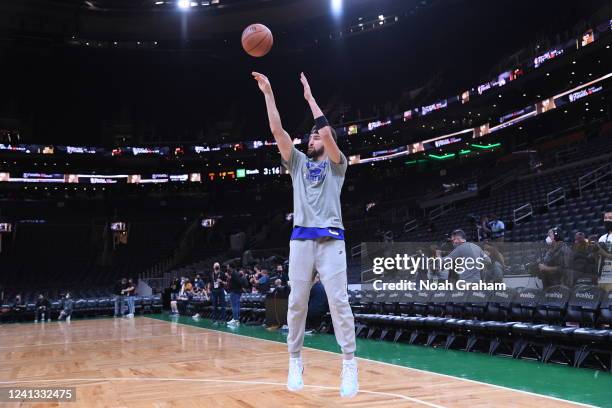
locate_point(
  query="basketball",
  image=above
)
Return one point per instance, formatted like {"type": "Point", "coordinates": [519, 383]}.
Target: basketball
{"type": "Point", "coordinates": [257, 40]}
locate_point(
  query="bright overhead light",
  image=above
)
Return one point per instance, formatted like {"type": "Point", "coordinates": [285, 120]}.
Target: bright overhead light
{"type": "Point", "coordinates": [183, 4]}
{"type": "Point", "coordinates": [336, 7]}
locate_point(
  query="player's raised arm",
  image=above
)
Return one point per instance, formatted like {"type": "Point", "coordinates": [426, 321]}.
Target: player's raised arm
{"type": "Point", "coordinates": [331, 148]}
{"type": "Point", "coordinates": [284, 142]}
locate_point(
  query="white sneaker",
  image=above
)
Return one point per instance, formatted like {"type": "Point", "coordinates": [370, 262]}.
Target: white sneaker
{"type": "Point", "coordinates": [35, 321]}
{"type": "Point", "coordinates": [196, 316]}
{"type": "Point", "coordinates": [349, 384]}
{"type": "Point", "coordinates": [130, 316]}
{"type": "Point", "coordinates": [295, 382]}
{"type": "Point", "coordinates": [68, 319]}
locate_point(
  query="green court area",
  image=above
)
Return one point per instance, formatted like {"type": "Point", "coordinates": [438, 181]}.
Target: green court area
{"type": "Point", "coordinates": [568, 383]}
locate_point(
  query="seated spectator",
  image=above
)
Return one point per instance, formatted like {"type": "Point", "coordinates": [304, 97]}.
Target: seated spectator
{"type": "Point", "coordinates": [261, 281]}
{"type": "Point", "coordinates": [497, 228]}
{"type": "Point", "coordinates": [279, 289]}
{"type": "Point", "coordinates": [43, 307]}
{"type": "Point", "coordinates": [198, 284]}
{"type": "Point", "coordinates": [317, 305]}
{"type": "Point", "coordinates": [185, 293]}
{"type": "Point", "coordinates": [18, 307]}
{"type": "Point", "coordinates": [280, 273]}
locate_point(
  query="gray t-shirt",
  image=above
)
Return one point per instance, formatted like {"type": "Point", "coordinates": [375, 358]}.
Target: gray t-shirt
{"type": "Point", "coordinates": [472, 251]}
{"type": "Point", "coordinates": [316, 190]}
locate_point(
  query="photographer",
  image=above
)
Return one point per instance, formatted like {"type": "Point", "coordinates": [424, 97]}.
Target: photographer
{"type": "Point", "coordinates": [584, 260]}
{"type": "Point", "coordinates": [605, 251]}
{"type": "Point", "coordinates": [553, 269]}
{"type": "Point", "coordinates": [495, 272]}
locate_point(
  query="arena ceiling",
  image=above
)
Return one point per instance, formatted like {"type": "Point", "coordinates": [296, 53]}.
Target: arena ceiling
{"type": "Point", "coordinates": [164, 19]}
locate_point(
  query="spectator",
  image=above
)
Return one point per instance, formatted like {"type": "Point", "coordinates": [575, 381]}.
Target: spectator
{"type": "Point", "coordinates": [584, 260]}
{"type": "Point", "coordinates": [555, 264]}
{"type": "Point", "coordinates": [43, 307]}
{"type": "Point", "coordinates": [262, 281]}
{"type": "Point", "coordinates": [236, 286]}
{"type": "Point", "coordinates": [281, 273]}
{"type": "Point", "coordinates": [317, 305]}
{"type": "Point", "coordinates": [185, 292]}
{"type": "Point", "coordinates": [198, 284]}
{"type": "Point", "coordinates": [495, 272]}
{"type": "Point", "coordinates": [217, 293]}
{"type": "Point", "coordinates": [186, 288]}
{"type": "Point", "coordinates": [497, 228]}
{"type": "Point", "coordinates": [484, 232]}
{"type": "Point", "coordinates": [18, 307]}
{"type": "Point", "coordinates": [67, 307]}
{"type": "Point", "coordinates": [605, 251]}
{"type": "Point", "coordinates": [466, 250]}
{"type": "Point", "coordinates": [129, 295]}
{"type": "Point", "coordinates": [119, 296]}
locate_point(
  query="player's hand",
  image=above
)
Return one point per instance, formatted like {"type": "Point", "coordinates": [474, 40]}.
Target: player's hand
{"type": "Point", "coordinates": [263, 82]}
{"type": "Point", "coordinates": [307, 91]}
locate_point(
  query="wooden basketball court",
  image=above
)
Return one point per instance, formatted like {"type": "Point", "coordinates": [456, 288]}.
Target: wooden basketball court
{"type": "Point", "coordinates": [145, 362]}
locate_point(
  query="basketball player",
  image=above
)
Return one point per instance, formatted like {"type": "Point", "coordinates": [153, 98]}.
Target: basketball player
{"type": "Point", "coordinates": [317, 240]}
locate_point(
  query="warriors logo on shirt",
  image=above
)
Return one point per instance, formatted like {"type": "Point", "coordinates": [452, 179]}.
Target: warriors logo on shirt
{"type": "Point", "coordinates": [315, 171]}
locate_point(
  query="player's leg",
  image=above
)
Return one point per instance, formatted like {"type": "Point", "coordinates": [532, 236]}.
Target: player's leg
{"type": "Point", "coordinates": [301, 263]}
{"type": "Point", "coordinates": [331, 265]}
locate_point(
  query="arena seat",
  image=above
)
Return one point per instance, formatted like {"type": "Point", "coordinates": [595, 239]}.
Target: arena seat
{"type": "Point", "coordinates": [553, 304]}
{"type": "Point", "coordinates": [421, 302]}
{"type": "Point", "coordinates": [584, 305]}
{"type": "Point", "coordinates": [457, 303]}
{"type": "Point", "coordinates": [157, 303]}
{"type": "Point", "coordinates": [605, 310]}
{"type": "Point", "coordinates": [524, 304]}
{"type": "Point", "coordinates": [476, 304]}
{"type": "Point", "coordinates": [499, 305]}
